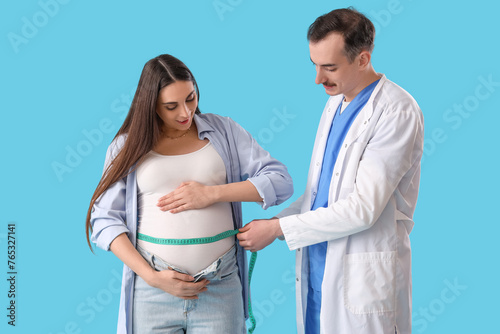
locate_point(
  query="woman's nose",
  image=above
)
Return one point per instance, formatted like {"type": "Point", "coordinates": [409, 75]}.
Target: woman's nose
{"type": "Point", "coordinates": [185, 111]}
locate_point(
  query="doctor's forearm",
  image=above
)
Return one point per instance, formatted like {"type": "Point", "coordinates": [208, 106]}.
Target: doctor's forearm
{"type": "Point", "coordinates": [324, 224]}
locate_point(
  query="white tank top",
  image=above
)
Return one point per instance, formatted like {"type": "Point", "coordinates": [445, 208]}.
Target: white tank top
{"type": "Point", "coordinates": [160, 174]}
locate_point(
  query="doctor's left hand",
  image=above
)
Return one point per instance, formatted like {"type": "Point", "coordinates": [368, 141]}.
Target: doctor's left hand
{"type": "Point", "coordinates": [258, 234]}
{"type": "Point", "coordinates": [189, 195]}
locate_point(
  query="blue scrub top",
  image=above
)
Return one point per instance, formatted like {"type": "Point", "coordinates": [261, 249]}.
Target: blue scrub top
{"type": "Point", "coordinates": [317, 253]}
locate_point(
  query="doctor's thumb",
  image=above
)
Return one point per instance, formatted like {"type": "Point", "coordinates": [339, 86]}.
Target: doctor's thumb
{"type": "Point", "coordinates": [244, 228]}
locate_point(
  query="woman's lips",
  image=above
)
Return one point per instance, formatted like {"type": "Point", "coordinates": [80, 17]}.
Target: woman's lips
{"type": "Point", "coordinates": [184, 122]}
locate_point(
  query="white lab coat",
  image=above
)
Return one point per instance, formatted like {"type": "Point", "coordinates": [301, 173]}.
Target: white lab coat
{"type": "Point", "coordinates": [367, 282]}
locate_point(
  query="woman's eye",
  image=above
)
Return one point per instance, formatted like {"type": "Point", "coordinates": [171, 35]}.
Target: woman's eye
{"type": "Point", "coordinates": [170, 108]}
{"type": "Point", "coordinates": [190, 99]}
{"type": "Point", "coordinates": [331, 70]}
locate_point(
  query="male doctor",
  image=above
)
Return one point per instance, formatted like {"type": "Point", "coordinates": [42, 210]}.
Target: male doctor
{"type": "Point", "coordinates": [351, 226]}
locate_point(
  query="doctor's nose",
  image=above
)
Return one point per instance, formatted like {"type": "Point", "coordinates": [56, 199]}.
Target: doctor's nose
{"type": "Point", "coordinates": [320, 78]}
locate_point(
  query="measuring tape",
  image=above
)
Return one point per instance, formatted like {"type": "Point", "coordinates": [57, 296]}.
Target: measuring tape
{"type": "Point", "coordinates": [207, 240]}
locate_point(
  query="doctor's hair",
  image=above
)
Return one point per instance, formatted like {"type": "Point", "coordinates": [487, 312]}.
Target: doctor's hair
{"type": "Point", "coordinates": [142, 126]}
{"type": "Point", "coordinates": [358, 31]}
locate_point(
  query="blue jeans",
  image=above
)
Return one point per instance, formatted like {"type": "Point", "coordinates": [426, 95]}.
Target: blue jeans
{"type": "Point", "coordinates": [218, 310]}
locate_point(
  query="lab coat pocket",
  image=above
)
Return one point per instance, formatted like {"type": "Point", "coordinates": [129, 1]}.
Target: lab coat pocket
{"type": "Point", "coordinates": [369, 282]}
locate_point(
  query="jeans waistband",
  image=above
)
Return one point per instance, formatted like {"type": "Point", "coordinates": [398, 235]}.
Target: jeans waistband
{"type": "Point", "coordinates": [159, 264]}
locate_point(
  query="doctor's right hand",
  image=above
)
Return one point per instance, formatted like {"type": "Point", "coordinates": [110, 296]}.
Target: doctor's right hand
{"type": "Point", "coordinates": [177, 284]}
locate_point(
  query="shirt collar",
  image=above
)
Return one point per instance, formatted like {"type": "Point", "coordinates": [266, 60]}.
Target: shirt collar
{"type": "Point", "coordinates": [202, 125]}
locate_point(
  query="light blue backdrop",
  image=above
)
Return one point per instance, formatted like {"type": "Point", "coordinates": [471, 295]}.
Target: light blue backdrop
{"type": "Point", "coordinates": [68, 72]}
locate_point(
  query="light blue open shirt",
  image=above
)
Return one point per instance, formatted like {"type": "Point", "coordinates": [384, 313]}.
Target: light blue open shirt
{"type": "Point", "coordinates": [115, 212]}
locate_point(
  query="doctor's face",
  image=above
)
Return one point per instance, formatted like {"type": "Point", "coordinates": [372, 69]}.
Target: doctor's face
{"type": "Point", "coordinates": [333, 69]}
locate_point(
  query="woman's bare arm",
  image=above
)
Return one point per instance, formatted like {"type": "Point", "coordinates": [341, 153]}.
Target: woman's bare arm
{"type": "Point", "coordinates": [194, 195]}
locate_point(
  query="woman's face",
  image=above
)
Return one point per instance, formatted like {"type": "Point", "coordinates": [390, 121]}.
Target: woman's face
{"type": "Point", "coordinates": [176, 105]}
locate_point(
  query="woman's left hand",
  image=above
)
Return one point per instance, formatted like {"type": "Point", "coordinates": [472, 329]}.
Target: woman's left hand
{"type": "Point", "coordinates": [189, 195]}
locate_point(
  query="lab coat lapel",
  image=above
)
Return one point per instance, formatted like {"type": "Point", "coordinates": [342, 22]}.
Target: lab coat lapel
{"type": "Point", "coordinates": [319, 148]}
{"type": "Point", "coordinates": [361, 122]}
{"type": "Point", "coordinates": [359, 125]}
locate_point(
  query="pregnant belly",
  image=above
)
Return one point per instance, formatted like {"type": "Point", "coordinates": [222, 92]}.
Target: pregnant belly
{"type": "Point", "coordinates": [205, 222]}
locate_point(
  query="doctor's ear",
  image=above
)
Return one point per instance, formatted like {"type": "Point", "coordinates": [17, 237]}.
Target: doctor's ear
{"type": "Point", "coordinates": [364, 59]}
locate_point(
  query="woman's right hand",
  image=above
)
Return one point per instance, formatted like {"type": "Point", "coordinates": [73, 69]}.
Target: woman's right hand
{"type": "Point", "coordinates": [170, 281]}
{"type": "Point", "coordinates": [177, 284]}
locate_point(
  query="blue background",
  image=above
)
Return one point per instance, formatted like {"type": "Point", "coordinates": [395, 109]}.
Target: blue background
{"type": "Point", "coordinates": [71, 69]}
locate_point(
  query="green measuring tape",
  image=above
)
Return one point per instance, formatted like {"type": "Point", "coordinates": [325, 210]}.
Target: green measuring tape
{"type": "Point", "coordinates": [207, 240]}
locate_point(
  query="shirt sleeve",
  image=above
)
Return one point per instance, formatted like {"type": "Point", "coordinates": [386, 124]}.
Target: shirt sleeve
{"type": "Point", "coordinates": [269, 176]}
{"type": "Point", "coordinates": [393, 151]}
{"type": "Point", "coordinates": [293, 209]}
{"type": "Point", "coordinates": [108, 213]}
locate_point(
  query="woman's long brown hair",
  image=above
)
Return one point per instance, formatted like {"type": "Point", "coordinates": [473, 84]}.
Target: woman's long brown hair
{"type": "Point", "coordinates": [142, 126]}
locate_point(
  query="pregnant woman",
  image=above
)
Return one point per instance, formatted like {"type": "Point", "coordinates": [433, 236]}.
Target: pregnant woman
{"type": "Point", "coordinates": [174, 173]}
